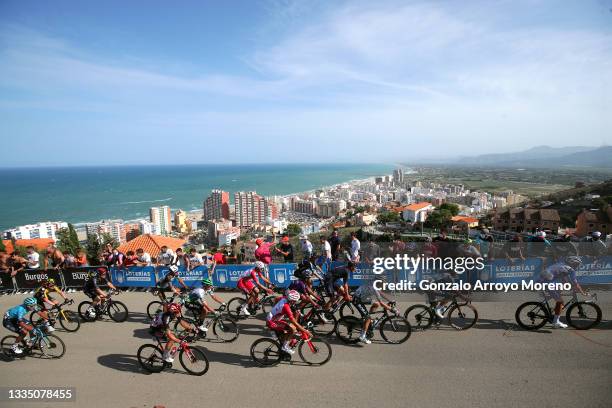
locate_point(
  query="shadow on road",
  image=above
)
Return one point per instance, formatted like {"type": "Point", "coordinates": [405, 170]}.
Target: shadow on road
{"type": "Point", "coordinates": [121, 362]}
{"type": "Point", "coordinates": [230, 358]}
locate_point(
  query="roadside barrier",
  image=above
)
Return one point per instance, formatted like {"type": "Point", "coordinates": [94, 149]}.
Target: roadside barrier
{"type": "Point", "coordinates": [593, 271]}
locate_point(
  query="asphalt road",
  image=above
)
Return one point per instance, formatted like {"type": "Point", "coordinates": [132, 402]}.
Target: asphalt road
{"type": "Point", "coordinates": [493, 364]}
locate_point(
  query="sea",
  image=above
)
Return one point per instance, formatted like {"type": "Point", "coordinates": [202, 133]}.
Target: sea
{"type": "Point", "coordinates": [85, 194]}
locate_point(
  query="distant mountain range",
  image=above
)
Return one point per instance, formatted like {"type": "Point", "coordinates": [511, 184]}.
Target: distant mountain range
{"type": "Point", "coordinates": [545, 157]}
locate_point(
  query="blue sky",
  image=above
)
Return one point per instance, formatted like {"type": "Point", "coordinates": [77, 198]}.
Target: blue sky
{"type": "Point", "coordinates": [144, 82]}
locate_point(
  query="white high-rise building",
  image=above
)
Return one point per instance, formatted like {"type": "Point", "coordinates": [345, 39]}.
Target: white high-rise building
{"type": "Point", "coordinates": [31, 231]}
{"type": "Point", "coordinates": [250, 208]}
{"type": "Point", "coordinates": [161, 218]}
{"type": "Point", "coordinates": [147, 227]}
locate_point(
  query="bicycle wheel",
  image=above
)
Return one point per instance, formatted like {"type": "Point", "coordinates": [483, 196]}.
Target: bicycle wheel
{"type": "Point", "coordinates": [420, 317]}
{"type": "Point", "coordinates": [87, 311]}
{"type": "Point", "coordinates": [226, 329]}
{"type": "Point", "coordinates": [531, 315]}
{"type": "Point", "coordinates": [69, 320]}
{"type": "Point", "coordinates": [267, 304]}
{"type": "Point", "coordinates": [151, 358]}
{"type": "Point", "coordinates": [462, 317]}
{"type": "Point", "coordinates": [395, 329]}
{"type": "Point", "coordinates": [154, 308]}
{"type": "Point", "coordinates": [6, 345]}
{"type": "Point", "coordinates": [194, 361]}
{"type": "Point", "coordinates": [188, 335]}
{"type": "Point", "coordinates": [35, 318]}
{"type": "Point", "coordinates": [266, 352]}
{"type": "Point", "coordinates": [318, 321]}
{"type": "Point", "coordinates": [52, 346]}
{"type": "Point", "coordinates": [348, 309]}
{"type": "Point", "coordinates": [315, 351]}
{"type": "Point", "coordinates": [349, 329]}
{"type": "Point", "coordinates": [117, 311]}
{"type": "Point", "coordinates": [234, 308]}
{"type": "Point", "coordinates": [583, 315]}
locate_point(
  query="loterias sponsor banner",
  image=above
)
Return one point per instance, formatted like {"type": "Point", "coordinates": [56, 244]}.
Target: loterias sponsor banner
{"type": "Point", "coordinates": [30, 279]}
{"type": "Point", "coordinates": [143, 276]}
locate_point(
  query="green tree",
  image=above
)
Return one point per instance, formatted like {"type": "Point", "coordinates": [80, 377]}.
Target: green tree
{"type": "Point", "coordinates": [387, 216]}
{"type": "Point", "coordinates": [2, 246]}
{"type": "Point", "coordinates": [93, 248]}
{"type": "Point", "coordinates": [293, 229]}
{"type": "Point", "coordinates": [67, 240]}
{"type": "Point", "coordinates": [109, 239]}
{"type": "Point", "coordinates": [452, 208]}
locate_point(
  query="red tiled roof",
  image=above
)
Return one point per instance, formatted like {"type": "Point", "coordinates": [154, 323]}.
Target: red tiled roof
{"type": "Point", "coordinates": [151, 244]}
{"type": "Point", "coordinates": [417, 206]}
{"type": "Point", "coordinates": [40, 244]}
{"type": "Point", "coordinates": [462, 218]}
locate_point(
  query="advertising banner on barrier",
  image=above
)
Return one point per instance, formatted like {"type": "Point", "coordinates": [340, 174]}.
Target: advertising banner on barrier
{"type": "Point", "coordinates": [76, 277]}
{"type": "Point", "coordinates": [194, 277]}
{"type": "Point", "coordinates": [504, 271]}
{"type": "Point", "coordinates": [595, 270]}
{"type": "Point", "coordinates": [6, 282]}
{"type": "Point", "coordinates": [29, 279]}
{"type": "Point", "coordinates": [226, 276]}
{"type": "Point", "coordinates": [137, 276]}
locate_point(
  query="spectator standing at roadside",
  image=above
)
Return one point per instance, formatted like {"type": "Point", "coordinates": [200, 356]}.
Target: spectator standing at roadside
{"type": "Point", "coordinates": [484, 241]}
{"type": "Point", "coordinates": [355, 248]}
{"type": "Point", "coordinates": [326, 254]}
{"type": "Point", "coordinates": [33, 258]}
{"type": "Point", "coordinates": [142, 258]}
{"type": "Point", "coordinates": [116, 259]}
{"type": "Point", "coordinates": [182, 260]}
{"type": "Point", "coordinates": [195, 259]}
{"type": "Point", "coordinates": [219, 257]}
{"type": "Point", "coordinates": [4, 266]}
{"type": "Point", "coordinates": [285, 249]}
{"type": "Point", "coordinates": [69, 260]}
{"type": "Point", "coordinates": [130, 259]}
{"type": "Point", "coordinates": [307, 248]}
{"type": "Point", "coordinates": [371, 250]}
{"type": "Point", "coordinates": [81, 258]}
{"type": "Point", "coordinates": [563, 247]}
{"type": "Point", "coordinates": [334, 242]}
{"type": "Point", "coordinates": [166, 257]}
{"type": "Point", "coordinates": [515, 248]}
{"type": "Point", "coordinates": [263, 252]}
{"type": "Point", "coordinates": [16, 263]}
{"type": "Point", "coordinates": [53, 258]}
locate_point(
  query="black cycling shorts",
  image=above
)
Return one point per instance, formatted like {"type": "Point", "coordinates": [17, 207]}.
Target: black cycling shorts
{"type": "Point", "coordinates": [362, 307]}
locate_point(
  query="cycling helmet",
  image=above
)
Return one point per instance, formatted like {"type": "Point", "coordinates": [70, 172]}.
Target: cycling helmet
{"type": "Point", "coordinates": [573, 261]}
{"type": "Point", "coordinates": [206, 282]}
{"type": "Point", "coordinates": [101, 271]}
{"type": "Point", "coordinates": [540, 234]}
{"type": "Point", "coordinates": [307, 274]}
{"type": "Point", "coordinates": [174, 308]}
{"type": "Point", "coordinates": [30, 301]}
{"type": "Point", "coordinates": [259, 241]}
{"type": "Point", "coordinates": [260, 265]}
{"type": "Point", "coordinates": [173, 268]}
{"type": "Point", "coordinates": [293, 296]}
{"type": "Point", "coordinates": [596, 234]}
{"type": "Point", "coordinates": [50, 281]}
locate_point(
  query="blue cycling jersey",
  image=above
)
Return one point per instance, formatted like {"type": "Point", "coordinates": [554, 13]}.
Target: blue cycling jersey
{"type": "Point", "coordinates": [17, 312]}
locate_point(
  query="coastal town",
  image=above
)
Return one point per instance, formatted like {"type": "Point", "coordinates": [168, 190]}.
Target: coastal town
{"type": "Point", "coordinates": [395, 205]}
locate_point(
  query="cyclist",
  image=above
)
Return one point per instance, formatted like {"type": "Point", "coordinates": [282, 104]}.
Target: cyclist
{"type": "Point", "coordinates": [160, 327]}
{"type": "Point", "coordinates": [249, 284]}
{"type": "Point", "coordinates": [165, 284]}
{"type": "Point", "coordinates": [15, 320]}
{"type": "Point", "coordinates": [561, 272]}
{"type": "Point", "coordinates": [304, 287]}
{"type": "Point", "coordinates": [282, 321]}
{"type": "Point", "coordinates": [362, 297]}
{"type": "Point", "coordinates": [196, 298]}
{"type": "Point", "coordinates": [336, 283]}
{"type": "Point", "coordinates": [42, 296]}
{"type": "Point", "coordinates": [92, 286]}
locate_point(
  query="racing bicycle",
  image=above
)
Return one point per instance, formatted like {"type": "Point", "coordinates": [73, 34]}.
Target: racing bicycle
{"type": "Point", "coordinates": [581, 315]}
{"type": "Point", "coordinates": [49, 345]}
{"type": "Point", "coordinates": [223, 326]}
{"type": "Point", "coordinates": [150, 357]}
{"type": "Point", "coordinates": [462, 315]}
{"type": "Point", "coordinates": [393, 328]}
{"type": "Point", "coordinates": [68, 319]}
{"type": "Point", "coordinates": [267, 352]}
{"type": "Point", "coordinates": [264, 301]}
{"type": "Point", "coordinates": [156, 306]}
{"type": "Point", "coordinates": [116, 310]}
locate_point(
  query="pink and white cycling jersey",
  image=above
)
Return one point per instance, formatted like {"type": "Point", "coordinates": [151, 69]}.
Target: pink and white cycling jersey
{"type": "Point", "coordinates": [280, 310]}
{"type": "Point", "coordinates": [559, 272]}
{"type": "Point", "coordinates": [250, 274]}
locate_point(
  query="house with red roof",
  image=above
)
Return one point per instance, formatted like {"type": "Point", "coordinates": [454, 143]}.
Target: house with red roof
{"type": "Point", "coordinates": [152, 244]}
{"type": "Point", "coordinates": [40, 244]}
{"type": "Point", "coordinates": [416, 212]}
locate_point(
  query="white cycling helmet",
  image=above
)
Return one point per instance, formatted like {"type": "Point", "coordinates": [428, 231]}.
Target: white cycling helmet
{"type": "Point", "coordinates": [293, 296]}
{"type": "Point", "coordinates": [173, 268]}
{"type": "Point", "coordinates": [260, 265]}
{"type": "Point", "coordinates": [596, 234]}
{"type": "Point", "coordinates": [540, 234]}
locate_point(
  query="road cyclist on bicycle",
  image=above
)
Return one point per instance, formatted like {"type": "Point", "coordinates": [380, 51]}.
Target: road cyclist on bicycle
{"type": "Point", "coordinates": [365, 295]}
{"type": "Point", "coordinates": [42, 296]}
{"type": "Point", "coordinates": [197, 297]}
{"type": "Point", "coordinates": [336, 283]}
{"type": "Point", "coordinates": [282, 321]}
{"type": "Point", "coordinates": [165, 284]}
{"type": "Point", "coordinates": [160, 328]}
{"type": "Point", "coordinates": [561, 272]}
{"type": "Point", "coordinates": [92, 286]}
{"type": "Point", "coordinates": [15, 320]}
{"type": "Point", "coordinates": [249, 285]}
